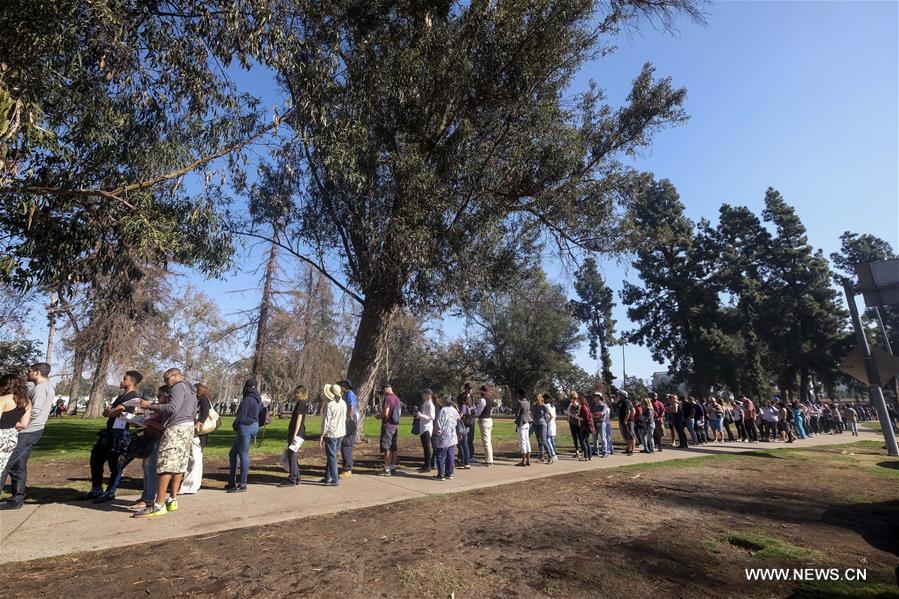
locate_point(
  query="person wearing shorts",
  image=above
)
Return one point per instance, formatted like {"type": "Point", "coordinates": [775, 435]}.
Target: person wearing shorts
{"type": "Point", "coordinates": [390, 411]}
{"type": "Point", "coordinates": [175, 445]}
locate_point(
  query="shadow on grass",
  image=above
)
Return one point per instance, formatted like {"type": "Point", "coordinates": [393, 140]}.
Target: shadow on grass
{"type": "Point", "coordinates": [877, 523]}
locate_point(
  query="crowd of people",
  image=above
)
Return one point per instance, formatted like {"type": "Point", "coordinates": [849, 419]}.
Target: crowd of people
{"type": "Point", "coordinates": [170, 433]}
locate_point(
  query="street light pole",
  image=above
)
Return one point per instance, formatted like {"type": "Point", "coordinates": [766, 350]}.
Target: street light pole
{"type": "Point", "coordinates": [874, 390]}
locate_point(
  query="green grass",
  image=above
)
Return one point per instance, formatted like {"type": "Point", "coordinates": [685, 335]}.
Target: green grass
{"type": "Point", "coordinates": [73, 437]}
{"type": "Point", "coordinates": [880, 589]}
{"type": "Point", "coordinates": [765, 547]}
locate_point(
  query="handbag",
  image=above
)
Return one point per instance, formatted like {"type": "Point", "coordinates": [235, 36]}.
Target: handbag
{"type": "Point", "coordinates": [211, 424]}
{"type": "Point", "coordinates": [416, 427]}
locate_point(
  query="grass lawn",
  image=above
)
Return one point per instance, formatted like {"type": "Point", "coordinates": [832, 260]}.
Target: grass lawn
{"type": "Point", "coordinates": [73, 437]}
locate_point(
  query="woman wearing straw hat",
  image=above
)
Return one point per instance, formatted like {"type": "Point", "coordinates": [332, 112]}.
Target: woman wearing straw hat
{"type": "Point", "coordinates": [333, 431]}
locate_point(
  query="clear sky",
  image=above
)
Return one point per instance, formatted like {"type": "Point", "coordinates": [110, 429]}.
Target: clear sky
{"type": "Point", "coordinates": [800, 96]}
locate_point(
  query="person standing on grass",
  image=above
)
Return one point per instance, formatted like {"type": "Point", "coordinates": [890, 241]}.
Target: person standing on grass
{"type": "Point", "coordinates": [598, 410]}
{"type": "Point", "coordinates": [246, 426]}
{"type": "Point", "coordinates": [41, 395]}
{"type": "Point", "coordinates": [391, 410]}
{"type": "Point", "coordinates": [333, 430]}
{"type": "Point", "coordinates": [550, 429]}
{"type": "Point", "coordinates": [523, 421]}
{"type": "Point", "coordinates": [15, 410]}
{"type": "Point", "coordinates": [485, 422]}
{"type": "Point", "coordinates": [538, 425]}
{"type": "Point", "coordinates": [446, 438]}
{"type": "Point", "coordinates": [113, 441]}
{"type": "Point", "coordinates": [174, 446]}
{"type": "Point", "coordinates": [660, 417]}
{"type": "Point", "coordinates": [425, 417]}
{"type": "Point", "coordinates": [348, 444]}
{"type": "Point", "coordinates": [626, 422]}
{"type": "Point", "coordinates": [296, 428]}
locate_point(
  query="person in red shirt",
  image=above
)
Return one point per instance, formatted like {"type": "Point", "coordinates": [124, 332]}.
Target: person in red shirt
{"type": "Point", "coordinates": [659, 409]}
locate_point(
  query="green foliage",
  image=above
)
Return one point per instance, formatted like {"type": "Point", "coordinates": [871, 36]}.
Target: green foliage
{"type": "Point", "coordinates": [526, 334]}
{"type": "Point", "coordinates": [594, 309]}
{"type": "Point", "coordinates": [676, 309]}
{"type": "Point", "coordinates": [17, 354]}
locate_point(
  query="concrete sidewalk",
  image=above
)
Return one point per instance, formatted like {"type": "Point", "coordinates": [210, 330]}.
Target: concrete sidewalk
{"type": "Point", "coordinates": [40, 531]}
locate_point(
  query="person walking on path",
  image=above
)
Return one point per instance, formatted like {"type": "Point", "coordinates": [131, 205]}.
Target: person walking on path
{"type": "Point", "coordinates": [348, 443]}
{"type": "Point", "coordinates": [246, 426]}
{"type": "Point", "coordinates": [174, 446]}
{"type": "Point", "coordinates": [42, 396]}
{"type": "Point", "coordinates": [296, 430]}
{"type": "Point", "coordinates": [391, 410]}
{"type": "Point", "coordinates": [15, 410]}
{"type": "Point", "coordinates": [850, 417]}
{"type": "Point", "coordinates": [485, 422]}
{"type": "Point", "coordinates": [333, 431]}
{"type": "Point", "coordinates": [446, 438]}
{"type": "Point", "coordinates": [113, 441]}
{"type": "Point", "coordinates": [523, 427]}
{"type": "Point", "coordinates": [425, 417]}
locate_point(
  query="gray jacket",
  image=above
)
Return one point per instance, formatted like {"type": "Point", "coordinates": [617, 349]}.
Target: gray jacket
{"type": "Point", "coordinates": [523, 415]}
{"type": "Point", "coordinates": [182, 407]}
{"type": "Point", "coordinates": [42, 396]}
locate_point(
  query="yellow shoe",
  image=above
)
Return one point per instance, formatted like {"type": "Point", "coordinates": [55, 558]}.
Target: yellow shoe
{"type": "Point", "coordinates": [345, 475]}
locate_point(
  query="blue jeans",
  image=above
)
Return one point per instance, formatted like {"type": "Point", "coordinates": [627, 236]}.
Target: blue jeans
{"type": "Point", "coordinates": [540, 431]}
{"type": "Point", "coordinates": [607, 433]}
{"type": "Point", "coordinates": [331, 445]}
{"type": "Point", "coordinates": [464, 454]}
{"type": "Point", "coordinates": [17, 466]}
{"type": "Point", "coordinates": [445, 458]}
{"type": "Point", "coordinates": [584, 438]}
{"type": "Point", "coordinates": [241, 447]}
{"type": "Point", "coordinates": [691, 427]}
{"type": "Point", "coordinates": [151, 479]}
{"type": "Point", "coordinates": [648, 440]}
{"type": "Point", "coordinates": [551, 446]}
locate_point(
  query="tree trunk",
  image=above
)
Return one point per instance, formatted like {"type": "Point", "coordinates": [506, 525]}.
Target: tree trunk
{"type": "Point", "coordinates": [265, 305]}
{"type": "Point", "coordinates": [369, 351]}
{"type": "Point", "coordinates": [94, 407]}
{"type": "Point", "coordinates": [75, 387]}
{"type": "Point", "coordinates": [803, 384]}
{"type": "Point", "coordinates": [52, 333]}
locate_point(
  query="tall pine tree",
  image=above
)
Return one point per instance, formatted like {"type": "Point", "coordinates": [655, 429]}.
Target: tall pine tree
{"type": "Point", "coordinates": [594, 310]}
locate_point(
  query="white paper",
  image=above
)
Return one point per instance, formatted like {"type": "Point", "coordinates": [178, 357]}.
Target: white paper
{"type": "Point", "coordinates": [297, 443]}
{"type": "Point", "coordinates": [134, 419]}
{"type": "Point", "coordinates": [119, 423]}
{"type": "Point", "coordinates": [131, 403]}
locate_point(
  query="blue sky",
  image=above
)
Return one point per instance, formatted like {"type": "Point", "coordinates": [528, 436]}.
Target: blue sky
{"type": "Point", "coordinates": [800, 96]}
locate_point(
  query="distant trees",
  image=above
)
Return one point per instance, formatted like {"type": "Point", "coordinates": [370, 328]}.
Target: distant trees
{"type": "Point", "coordinates": [593, 308]}
{"type": "Point", "coordinates": [735, 304]}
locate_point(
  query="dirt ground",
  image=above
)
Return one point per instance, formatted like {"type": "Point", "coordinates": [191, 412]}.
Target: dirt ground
{"type": "Point", "coordinates": [686, 529]}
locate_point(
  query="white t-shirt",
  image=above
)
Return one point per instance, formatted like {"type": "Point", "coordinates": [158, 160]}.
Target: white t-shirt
{"type": "Point", "coordinates": [551, 425]}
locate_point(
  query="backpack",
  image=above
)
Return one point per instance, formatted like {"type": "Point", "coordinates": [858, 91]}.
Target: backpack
{"type": "Point", "coordinates": [395, 414]}
{"type": "Point", "coordinates": [265, 415]}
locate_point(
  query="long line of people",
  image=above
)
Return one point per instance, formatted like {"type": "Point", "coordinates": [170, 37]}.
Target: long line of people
{"type": "Point", "coordinates": [169, 434]}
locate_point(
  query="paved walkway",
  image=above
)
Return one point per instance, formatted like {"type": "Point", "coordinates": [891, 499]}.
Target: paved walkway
{"type": "Point", "coordinates": [40, 531]}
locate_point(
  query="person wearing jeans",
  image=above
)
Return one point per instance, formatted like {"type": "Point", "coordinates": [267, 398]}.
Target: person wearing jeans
{"type": "Point", "coordinates": [598, 408]}
{"type": "Point", "coordinates": [538, 426]}
{"type": "Point", "coordinates": [649, 425]}
{"type": "Point", "coordinates": [42, 396]}
{"type": "Point", "coordinates": [296, 428]}
{"type": "Point", "coordinates": [246, 425]}
{"type": "Point", "coordinates": [425, 417]}
{"type": "Point", "coordinates": [333, 431]}
{"type": "Point", "coordinates": [446, 439]}
{"type": "Point", "coordinates": [550, 430]}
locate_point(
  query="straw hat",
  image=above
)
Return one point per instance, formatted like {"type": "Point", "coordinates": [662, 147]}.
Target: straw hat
{"type": "Point", "coordinates": [332, 392]}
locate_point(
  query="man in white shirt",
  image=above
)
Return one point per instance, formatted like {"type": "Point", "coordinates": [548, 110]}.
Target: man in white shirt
{"type": "Point", "coordinates": [333, 431]}
{"type": "Point", "coordinates": [484, 413]}
{"type": "Point", "coordinates": [42, 397]}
